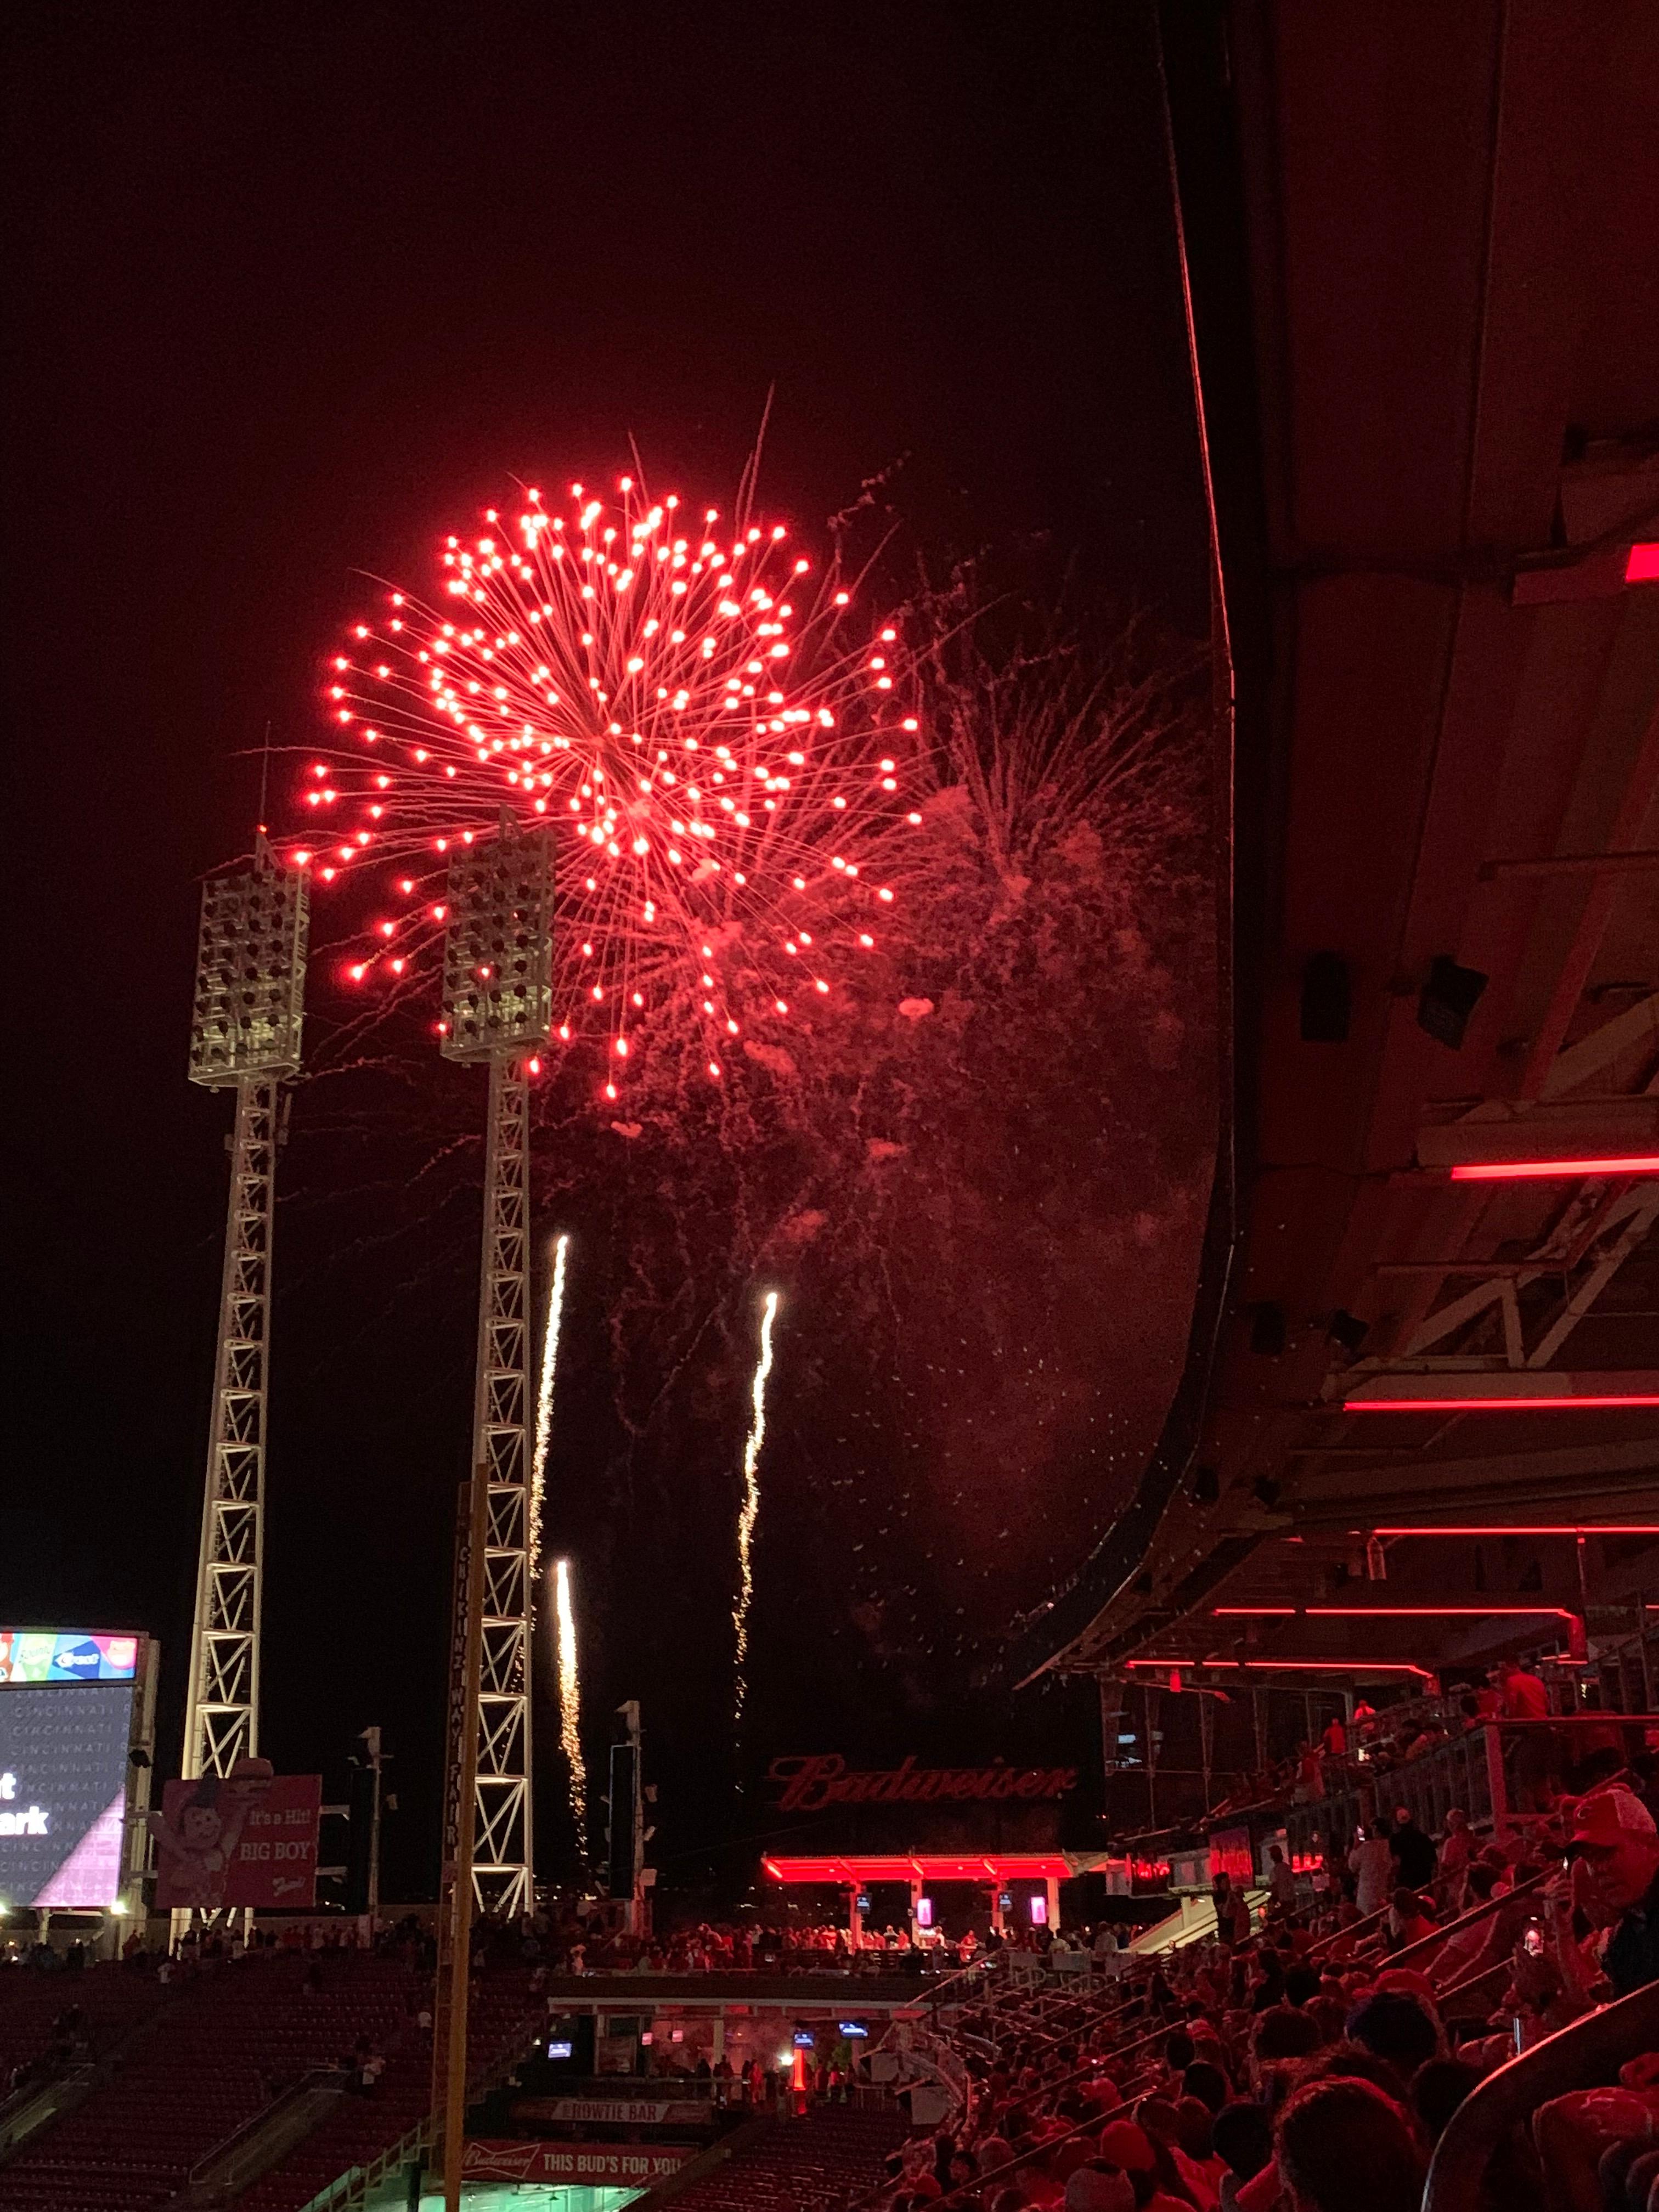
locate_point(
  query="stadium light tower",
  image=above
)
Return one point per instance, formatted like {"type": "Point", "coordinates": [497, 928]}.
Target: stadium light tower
{"type": "Point", "coordinates": [498, 1005]}
{"type": "Point", "coordinates": [245, 1036]}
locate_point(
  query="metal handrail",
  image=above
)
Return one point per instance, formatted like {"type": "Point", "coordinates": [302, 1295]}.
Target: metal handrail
{"type": "Point", "coordinates": [1369, 1920]}
{"type": "Point", "coordinates": [1575, 2057]}
{"type": "Point", "coordinates": [314, 2077]}
{"type": "Point", "coordinates": [29, 2109]}
{"type": "Point", "coordinates": [347, 2189]}
{"type": "Point", "coordinates": [1099, 2061]}
{"type": "Point", "coordinates": [984, 1968]}
{"type": "Point", "coordinates": [1492, 1905]}
{"type": "Point", "coordinates": [1097, 2019]}
{"type": "Point", "coordinates": [1444, 2000]}
{"type": "Point", "coordinates": [1034, 2022]}
{"type": "Point", "coordinates": [968, 2192]}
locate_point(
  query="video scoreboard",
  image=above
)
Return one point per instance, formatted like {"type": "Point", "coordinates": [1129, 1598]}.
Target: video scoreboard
{"type": "Point", "coordinates": [76, 1706]}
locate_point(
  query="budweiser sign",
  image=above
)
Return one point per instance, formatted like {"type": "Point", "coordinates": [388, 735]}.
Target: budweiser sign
{"type": "Point", "coordinates": [595, 2164]}
{"type": "Point", "coordinates": [808, 1782]}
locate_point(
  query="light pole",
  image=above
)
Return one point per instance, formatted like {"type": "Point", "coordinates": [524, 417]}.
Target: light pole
{"type": "Point", "coordinates": [370, 1738]}
{"type": "Point", "coordinates": [498, 1000]}
{"type": "Point", "coordinates": [245, 1036]}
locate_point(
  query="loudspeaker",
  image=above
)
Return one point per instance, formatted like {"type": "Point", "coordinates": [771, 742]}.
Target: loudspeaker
{"type": "Point", "coordinates": [360, 1838]}
{"type": "Point", "coordinates": [1449, 997]}
{"type": "Point", "coordinates": [624, 1786]}
{"type": "Point", "coordinates": [1325, 1000]}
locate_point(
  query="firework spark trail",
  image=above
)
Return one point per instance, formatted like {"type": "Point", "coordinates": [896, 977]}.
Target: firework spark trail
{"type": "Point", "coordinates": [544, 1398]}
{"type": "Point", "coordinates": [749, 1513]}
{"type": "Point", "coordinates": [570, 1700]}
{"type": "Point", "coordinates": [719, 767]}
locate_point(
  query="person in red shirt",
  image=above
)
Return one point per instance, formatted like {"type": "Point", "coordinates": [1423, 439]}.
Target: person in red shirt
{"type": "Point", "coordinates": [1310, 1775]}
{"type": "Point", "coordinates": [1123, 2144]}
{"type": "Point", "coordinates": [1532, 1754]}
{"type": "Point", "coordinates": [1408, 1923]}
{"type": "Point", "coordinates": [1524, 1695]}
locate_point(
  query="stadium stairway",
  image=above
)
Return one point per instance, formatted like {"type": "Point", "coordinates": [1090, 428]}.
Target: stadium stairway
{"type": "Point", "coordinates": [104, 2006]}
{"type": "Point", "coordinates": [207, 2066]}
{"type": "Point", "coordinates": [505, 2017]}
{"type": "Point", "coordinates": [831, 2156]}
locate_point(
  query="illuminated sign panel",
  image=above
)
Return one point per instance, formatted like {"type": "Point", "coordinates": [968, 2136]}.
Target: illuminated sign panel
{"type": "Point", "coordinates": [62, 1790]}
{"type": "Point", "coordinates": [809, 1782]}
{"type": "Point", "coordinates": [45, 1655]}
{"type": "Point", "coordinates": [1230, 1854]}
{"type": "Point", "coordinates": [249, 1838]}
{"type": "Point", "coordinates": [592, 2166]}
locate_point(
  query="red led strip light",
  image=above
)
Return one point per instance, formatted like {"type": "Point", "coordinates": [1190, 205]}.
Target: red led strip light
{"type": "Point", "coordinates": [1629, 1163]}
{"type": "Point", "coordinates": [1382, 1611]}
{"type": "Point", "coordinates": [1292, 1666]}
{"type": "Point", "coordinates": [1533, 1529]}
{"type": "Point", "coordinates": [854, 1868]}
{"type": "Point", "coordinates": [1497, 1612]}
{"type": "Point", "coordinates": [1559, 1403]}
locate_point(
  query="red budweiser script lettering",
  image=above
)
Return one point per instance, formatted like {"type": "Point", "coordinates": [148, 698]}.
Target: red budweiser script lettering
{"type": "Point", "coordinates": [809, 1782]}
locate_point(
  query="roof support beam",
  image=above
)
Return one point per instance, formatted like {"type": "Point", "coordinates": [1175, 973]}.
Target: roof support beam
{"type": "Point", "coordinates": [1613, 1388]}
{"type": "Point", "coordinates": [1586, 940]}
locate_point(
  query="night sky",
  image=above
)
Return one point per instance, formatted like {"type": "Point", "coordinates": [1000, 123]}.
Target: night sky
{"type": "Point", "coordinates": [292, 291]}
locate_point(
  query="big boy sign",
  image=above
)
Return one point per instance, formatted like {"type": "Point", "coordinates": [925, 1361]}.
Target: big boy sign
{"type": "Point", "coordinates": [247, 1837]}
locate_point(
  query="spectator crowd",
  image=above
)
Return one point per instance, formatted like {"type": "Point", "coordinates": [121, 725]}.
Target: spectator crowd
{"type": "Point", "coordinates": [1311, 2060]}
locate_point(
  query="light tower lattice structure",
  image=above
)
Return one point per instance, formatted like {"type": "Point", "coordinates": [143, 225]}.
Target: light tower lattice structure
{"type": "Point", "coordinates": [245, 1036]}
{"type": "Point", "coordinates": [498, 1005]}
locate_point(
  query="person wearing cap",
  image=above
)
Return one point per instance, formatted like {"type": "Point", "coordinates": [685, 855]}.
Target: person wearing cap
{"type": "Point", "coordinates": [1457, 1852]}
{"type": "Point", "coordinates": [1413, 1853]}
{"type": "Point", "coordinates": [1122, 2143]}
{"type": "Point", "coordinates": [1148, 2165]}
{"type": "Point", "coordinates": [1617, 1838]}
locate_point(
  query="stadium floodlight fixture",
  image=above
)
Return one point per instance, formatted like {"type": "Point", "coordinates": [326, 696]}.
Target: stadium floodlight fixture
{"type": "Point", "coordinates": [250, 973]}
{"type": "Point", "coordinates": [498, 947]}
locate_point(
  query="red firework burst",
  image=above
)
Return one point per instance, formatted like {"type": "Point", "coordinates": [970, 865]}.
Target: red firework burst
{"type": "Point", "coordinates": [716, 736]}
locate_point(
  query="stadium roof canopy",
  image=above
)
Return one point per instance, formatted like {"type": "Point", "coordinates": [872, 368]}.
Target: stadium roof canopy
{"type": "Point", "coordinates": [1420, 248]}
